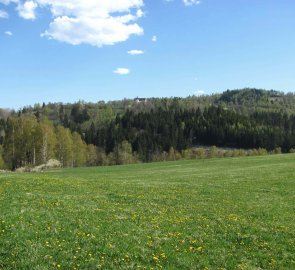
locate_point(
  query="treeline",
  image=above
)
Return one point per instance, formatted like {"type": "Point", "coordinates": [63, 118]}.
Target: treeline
{"type": "Point", "coordinates": [29, 143]}
{"type": "Point", "coordinates": [159, 130]}
{"type": "Point", "coordinates": [128, 131]}
{"type": "Point", "coordinates": [144, 136]}
{"type": "Point", "coordinates": [81, 115]}
{"type": "Point", "coordinates": [85, 117]}
{"type": "Point", "coordinates": [159, 135]}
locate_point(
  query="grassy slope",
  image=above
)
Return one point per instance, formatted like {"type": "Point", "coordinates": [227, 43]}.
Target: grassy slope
{"type": "Point", "coordinates": [235, 213]}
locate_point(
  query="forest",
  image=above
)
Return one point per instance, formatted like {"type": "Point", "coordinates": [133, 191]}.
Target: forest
{"type": "Point", "coordinates": [145, 130]}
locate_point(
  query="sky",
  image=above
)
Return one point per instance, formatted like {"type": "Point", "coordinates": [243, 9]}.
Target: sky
{"type": "Point", "coordinates": [91, 50]}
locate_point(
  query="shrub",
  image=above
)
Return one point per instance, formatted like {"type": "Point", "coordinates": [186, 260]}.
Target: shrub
{"type": "Point", "coordinates": [213, 152]}
{"type": "Point", "coordinates": [262, 152]}
{"type": "Point", "coordinates": [171, 154]}
{"type": "Point", "coordinates": [255, 152]}
{"type": "Point", "coordinates": [187, 154]}
{"type": "Point", "coordinates": [102, 158]}
{"type": "Point", "coordinates": [228, 153]}
{"type": "Point", "coordinates": [277, 150]}
{"type": "Point", "coordinates": [242, 153]}
{"type": "Point", "coordinates": [200, 153]}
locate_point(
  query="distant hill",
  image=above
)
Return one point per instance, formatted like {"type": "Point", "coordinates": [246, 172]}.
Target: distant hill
{"type": "Point", "coordinates": [82, 113]}
{"type": "Point", "coordinates": [250, 96]}
{"type": "Point", "coordinates": [251, 99]}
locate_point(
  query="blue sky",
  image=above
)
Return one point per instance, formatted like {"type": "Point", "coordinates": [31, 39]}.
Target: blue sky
{"type": "Point", "coordinates": [70, 50]}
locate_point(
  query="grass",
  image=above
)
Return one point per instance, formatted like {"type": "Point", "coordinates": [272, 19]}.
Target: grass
{"type": "Point", "coordinates": [235, 213]}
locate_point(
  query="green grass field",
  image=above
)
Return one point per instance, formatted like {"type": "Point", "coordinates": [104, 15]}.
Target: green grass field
{"type": "Point", "coordinates": [234, 213]}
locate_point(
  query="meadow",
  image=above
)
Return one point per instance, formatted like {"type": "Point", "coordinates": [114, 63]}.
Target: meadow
{"type": "Point", "coordinates": [231, 213]}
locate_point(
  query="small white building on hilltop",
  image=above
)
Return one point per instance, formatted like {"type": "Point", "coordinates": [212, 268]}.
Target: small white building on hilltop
{"type": "Point", "coordinates": [139, 100]}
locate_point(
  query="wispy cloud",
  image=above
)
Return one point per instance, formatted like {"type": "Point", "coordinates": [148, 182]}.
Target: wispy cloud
{"type": "Point", "coordinates": [122, 71]}
{"type": "Point", "coordinates": [191, 2]}
{"type": "Point", "coordinates": [8, 33]}
{"type": "Point", "coordinates": [135, 52]}
{"type": "Point", "coordinates": [154, 39]}
{"type": "Point", "coordinates": [3, 14]}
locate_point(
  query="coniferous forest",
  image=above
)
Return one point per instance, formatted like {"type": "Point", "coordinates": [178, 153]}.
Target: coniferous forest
{"type": "Point", "coordinates": [144, 130]}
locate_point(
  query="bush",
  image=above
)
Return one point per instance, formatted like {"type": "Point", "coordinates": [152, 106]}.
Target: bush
{"type": "Point", "coordinates": [123, 153]}
{"type": "Point", "coordinates": [277, 150]}
{"type": "Point", "coordinates": [228, 153]}
{"type": "Point", "coordinates": [262, 152]}
{"type": "Point", "coordinates": [242, 152]}
{"type": "Point", "coordinates": [157, 157]}
{"type": "Point", "coordinates": [213, 152]}
{"type": "Point", "coordinates": [255, 152]}
{"type": "Point", "coordinates": [187, 154]}
{"type": "Point", "coordinates": [238, 153]}
{"type": "Point", "coordinates": [200, 153]}
{"type": "Point", "coordinates": [171, 154]}
{"type": "Point", "coordinates": [102, 158]}
{"type": "Point", "coordinates": [111, 159]}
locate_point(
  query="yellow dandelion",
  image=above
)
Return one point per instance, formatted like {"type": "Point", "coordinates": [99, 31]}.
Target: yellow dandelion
{"type": "Point", "coordinates": [155, 258]}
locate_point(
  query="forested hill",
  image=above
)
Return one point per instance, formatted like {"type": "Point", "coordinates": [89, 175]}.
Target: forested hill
{"type": "Point", "coordinates": [82, 115]}
{"type": "Point", "coordinates": [245, 100]}
{"type": "Point", "coordinates": [247, 118]}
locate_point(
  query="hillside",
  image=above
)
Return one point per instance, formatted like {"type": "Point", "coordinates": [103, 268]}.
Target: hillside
{"type": "Point", "coordinates": [144, 130]}
{"type": "Point", "coordinates": [235, 213]}
{"type": "Point", "coordinates": [251, 100]}
{"type": "Point", "coordinates": [248, 99]}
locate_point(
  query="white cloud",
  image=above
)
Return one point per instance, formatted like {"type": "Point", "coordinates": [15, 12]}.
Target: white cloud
{"type": "Point", "coordinates": [139, 13]}
{"type": "Point", "coordinates": [191, 2]}
{"type": "Point", "coordinates": [154, 39]}
{"type": "Point", "coordinates": [8, 33]}
{"type": "Point", "coordinates": [135, 52]}
{"type": "Point", "coordinates": [94, 22]}
{"type": "Point", "coordinates": [27, 10]}
{"type": "Point", "coordinates": [3, 14]}
{"type": "Point", "coordinates": [122, 71]}
{"type": "Point", "coordinates": [93, 31]}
